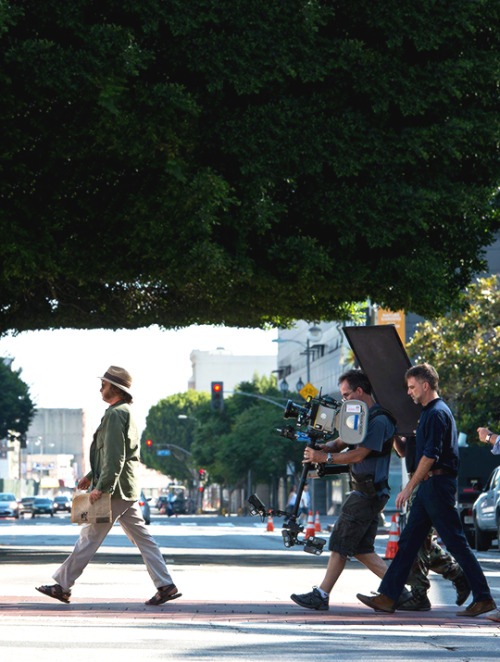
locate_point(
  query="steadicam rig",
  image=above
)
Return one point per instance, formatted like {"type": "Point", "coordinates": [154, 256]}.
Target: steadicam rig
{"type": "Point", "coordinates": [291, 527]}
{"type": "Point", "coordinates": [322, 418]}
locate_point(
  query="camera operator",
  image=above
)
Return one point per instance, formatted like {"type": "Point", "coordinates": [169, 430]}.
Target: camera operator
{"type": "Point", "coordinates": [356, 527]}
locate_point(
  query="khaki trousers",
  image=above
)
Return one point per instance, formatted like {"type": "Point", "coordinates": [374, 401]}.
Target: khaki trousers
{"type": "Point", "coordinates": [92, 536]}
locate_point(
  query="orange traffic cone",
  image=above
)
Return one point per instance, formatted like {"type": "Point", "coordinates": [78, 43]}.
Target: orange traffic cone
{"type": "Point", "coordinates": [270, 523]}
{"type": "Point", "coordinates": [392, 543]}
{"type": "Point", "coordinates": [317, 523]}
{"type": "Point", "coordinates": [310, 530]}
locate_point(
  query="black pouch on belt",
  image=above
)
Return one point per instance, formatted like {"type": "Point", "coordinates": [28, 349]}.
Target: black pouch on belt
{"type": "Point", "coordinates": [364, 484]}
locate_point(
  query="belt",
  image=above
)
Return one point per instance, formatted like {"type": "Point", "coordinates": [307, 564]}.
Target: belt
{"type": "Point", "coordinates": [439, 472]}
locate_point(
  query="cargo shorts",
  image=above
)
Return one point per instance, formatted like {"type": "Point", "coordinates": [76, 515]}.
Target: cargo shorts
{"type": "Point", "coordinates": [356, 527]}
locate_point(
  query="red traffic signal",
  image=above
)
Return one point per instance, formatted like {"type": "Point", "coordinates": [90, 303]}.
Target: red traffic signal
{"type": "Point", "coordinates": [149, 442]}
{"type": "Point", "coordinates": [217, 396]}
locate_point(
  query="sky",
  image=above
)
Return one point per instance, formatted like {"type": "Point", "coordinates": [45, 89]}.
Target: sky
{"type": "Point", "coordinates": [62, 367]}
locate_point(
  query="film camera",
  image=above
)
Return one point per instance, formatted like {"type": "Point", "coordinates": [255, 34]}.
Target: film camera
{"type": "Point", "coordinates": [319, 419]}
{"type": "Point", "coordinates": [322, 416]}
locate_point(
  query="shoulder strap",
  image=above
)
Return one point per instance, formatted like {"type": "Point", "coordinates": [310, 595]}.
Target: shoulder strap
{"type": "Point", "coordinates": [388, 443]}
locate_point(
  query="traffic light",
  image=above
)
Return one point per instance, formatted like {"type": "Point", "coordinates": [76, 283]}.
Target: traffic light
{"type": "Point", "coordinates": [217, 391]}
{"type": "Point", "coordinates": [149, 443]}
{"type": "Point", "coordinates": [203, 475]}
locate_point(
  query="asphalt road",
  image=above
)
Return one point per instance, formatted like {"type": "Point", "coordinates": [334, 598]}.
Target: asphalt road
{"type": "Point", "coordinates": [236, 579]}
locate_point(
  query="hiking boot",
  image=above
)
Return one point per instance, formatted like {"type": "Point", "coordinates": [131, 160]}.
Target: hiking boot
{"type": "Point", "coordinates": [312, 600]}
{"type": "Point", "coordinates": [404, 597]}
{"type": "Point", "coordinates": [415, 603]}
{"type": "Point", "coordinates": [462, 588]}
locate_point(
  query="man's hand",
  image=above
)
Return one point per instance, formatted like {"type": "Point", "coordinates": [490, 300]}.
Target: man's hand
{"type": "Point", "coordinates": [328, 446]}
{"type": "Point", "coordinates": [316, 457]}
{"type": "Point", "coordinates": [483, 433]}
{"type": "Point", "coordinates": [83, 483]}
{"type": "Point", "coordinates": [95, 495]}
{"type": "Point", "coordinates": [403, 497]}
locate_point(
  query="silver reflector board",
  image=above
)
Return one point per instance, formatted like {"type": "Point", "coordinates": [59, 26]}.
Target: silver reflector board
{"type": "Point", "coordinates": [383, 359]}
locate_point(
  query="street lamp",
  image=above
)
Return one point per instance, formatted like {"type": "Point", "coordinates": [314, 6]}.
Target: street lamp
{"type": "Point", "coordinates": [184, 417]}
{"type": "Point", "coordinates": [314, 335]}
{"type": "Point", "coordinates": [196, 477]}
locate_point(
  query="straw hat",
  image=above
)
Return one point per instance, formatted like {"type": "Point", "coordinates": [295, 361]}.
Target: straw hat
{"type": "Point", "coordinates": [118, 377]}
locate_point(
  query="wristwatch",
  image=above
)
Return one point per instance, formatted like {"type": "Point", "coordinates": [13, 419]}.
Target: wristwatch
{"type": "Point", "coordinates": [329, 458]}
{"type": "Point", "coordinates": [488, 437]}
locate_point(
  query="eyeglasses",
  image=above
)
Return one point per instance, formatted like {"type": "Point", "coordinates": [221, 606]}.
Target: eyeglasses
{"type": "Point", "coordinates": [346, 396]}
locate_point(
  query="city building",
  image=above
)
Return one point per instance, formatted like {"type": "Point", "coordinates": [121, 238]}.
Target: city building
{"type": "Point", "coordinates": [55, 449]}
{"type": "Point", "coordinates": [223, 366]}
{"type": "Point", "coordinates": [312, 354]}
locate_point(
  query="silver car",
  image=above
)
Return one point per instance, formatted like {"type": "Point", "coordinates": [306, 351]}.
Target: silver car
{"type": "Point", "coordinates": [8, 505]}
{"type": "Point", "coordinates": [486, 513]}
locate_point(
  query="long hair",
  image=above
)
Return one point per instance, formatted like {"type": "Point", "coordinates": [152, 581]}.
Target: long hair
{"type": "Point", "coordinates": [126, 397]}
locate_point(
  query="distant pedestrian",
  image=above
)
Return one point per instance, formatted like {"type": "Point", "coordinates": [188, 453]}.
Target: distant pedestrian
{"type": "Point", "coordinates": [434, 503]}
{"type": "Point", "coordinates": [305, 503]}
{"type": "Point", "coordinates": [292, 500]}
{"type": "Point", "coordinates": [114, 461]}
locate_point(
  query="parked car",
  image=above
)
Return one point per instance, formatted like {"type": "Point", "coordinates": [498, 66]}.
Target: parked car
{"type": "Point", "coordinates": [62, 504]}
{"type": "Point", "coordinates": [146, 510]}
{"type": "Point", "coordinates": [43, 506]}
{"type": "Point", "coordinates": [173, 503]}
{"type": "Point", "coordinates": [26, 506]}
{"type": "Point", "coordinates": [8, 505]}
{"type": "Point", "coordinates": [486, 513]}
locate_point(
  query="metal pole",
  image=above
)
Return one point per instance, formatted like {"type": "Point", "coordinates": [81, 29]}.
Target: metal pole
{"type": "Point", "coordinates": [308, 362]}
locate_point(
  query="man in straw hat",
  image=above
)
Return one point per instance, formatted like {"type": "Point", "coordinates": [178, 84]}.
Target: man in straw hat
{"type": "Point", "coordinates": [114, 460]}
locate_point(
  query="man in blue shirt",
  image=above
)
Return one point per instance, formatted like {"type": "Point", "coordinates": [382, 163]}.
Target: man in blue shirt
{"type": "Point", "coordinates": [356, 527]}
{"type": "Point", "coordinates": [434, 503]}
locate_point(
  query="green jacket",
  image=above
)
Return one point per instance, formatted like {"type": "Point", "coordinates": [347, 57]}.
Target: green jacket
{"type": "Point", "coordinates": [114, 454]}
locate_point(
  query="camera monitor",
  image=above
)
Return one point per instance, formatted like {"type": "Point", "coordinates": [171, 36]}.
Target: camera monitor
{"type": "Point", "coordinates": [384, 360]}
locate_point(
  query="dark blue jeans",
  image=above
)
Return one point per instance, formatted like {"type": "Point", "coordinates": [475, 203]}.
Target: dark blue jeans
{"type": "Point", "coordinates": [434, 504]}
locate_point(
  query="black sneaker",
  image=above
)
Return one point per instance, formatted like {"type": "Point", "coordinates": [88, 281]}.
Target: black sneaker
{"type": "Point", "coordinates": [415, 603]}
{"type": "Point", "coordinates": [462, 588]}
{"type": "Point", "coordinates": [312, 600]}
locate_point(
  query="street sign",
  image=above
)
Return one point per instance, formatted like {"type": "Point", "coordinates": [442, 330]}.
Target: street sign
{"type": "Point", "coordinates": [308, 390]}
{"type": "Point", "coordinates": [163, 451]}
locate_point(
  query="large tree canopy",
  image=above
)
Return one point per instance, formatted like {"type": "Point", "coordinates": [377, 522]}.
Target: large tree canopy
{"type": "Point", "coordinates": [236, 162]}
{"type": "Point", "coordinates": [464, 346]}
